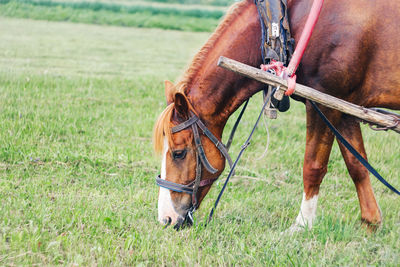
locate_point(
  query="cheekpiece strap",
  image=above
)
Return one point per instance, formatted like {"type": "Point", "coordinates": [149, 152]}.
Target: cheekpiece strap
{"type": "Point", "coordinates": [201, 152]}
{"type": "Point", "coordinates": [221, 147]}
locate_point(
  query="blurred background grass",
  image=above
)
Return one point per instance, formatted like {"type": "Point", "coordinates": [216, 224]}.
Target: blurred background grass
{"type": "Point", "coordinates": [180, 16]}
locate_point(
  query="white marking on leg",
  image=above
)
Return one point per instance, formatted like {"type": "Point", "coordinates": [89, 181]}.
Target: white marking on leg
{"type": "Point", "coordinates": [306, 215]}
{"type": "Point", "coordinates": [165, 208]}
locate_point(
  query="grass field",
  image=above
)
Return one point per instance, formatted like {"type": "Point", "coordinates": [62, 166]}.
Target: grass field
{"type": "Point", "coordinates": [77, 107]}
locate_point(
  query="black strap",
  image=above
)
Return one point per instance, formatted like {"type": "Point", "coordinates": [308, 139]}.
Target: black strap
{"type": "Point", "coordinates": [245, 145]}
{"type": "Point", "coordinates": [185, 124]}
{"type": "Point", "coordinates": [188, 189]}
{"type": "Point", "coordinates": [229, 143]}
{"type": "Point", "coordinates": [387, 112]}
{"type": "Point", "coordinates": [352, 149]}
{"type": "Point", "coordinates": [200, 150]}
{"type": "Point", "coordinates": [216, 142]}
{"type": "Point", "coordinates": [196, 184]}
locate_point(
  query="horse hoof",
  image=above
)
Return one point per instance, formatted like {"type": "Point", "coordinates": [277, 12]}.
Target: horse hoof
{"type": "Point", "coordinates": [371, 227]}
{"type": "Point", "coordinates": [295, 228]}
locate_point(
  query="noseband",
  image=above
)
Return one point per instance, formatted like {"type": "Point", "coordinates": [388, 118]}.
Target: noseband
{"type": "Point", "coordinates": [201, 159]}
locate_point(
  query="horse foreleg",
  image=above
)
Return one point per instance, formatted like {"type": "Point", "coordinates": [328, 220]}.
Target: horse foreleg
{"type": "Point", "coordinates": [370, 212]}
{"type": "Point", "coordinates": [319, 141]}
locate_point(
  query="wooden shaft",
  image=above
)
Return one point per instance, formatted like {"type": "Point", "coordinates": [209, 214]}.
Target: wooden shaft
{"type": "Point", "coordinates": [311, 94]}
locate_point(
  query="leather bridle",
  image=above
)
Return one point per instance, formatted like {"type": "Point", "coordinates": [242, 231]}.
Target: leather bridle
{"type": "Point", "coordinates": [201, 159]}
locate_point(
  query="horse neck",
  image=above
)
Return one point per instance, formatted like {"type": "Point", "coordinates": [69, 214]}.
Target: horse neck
{"type": "Point", "coordinates": [215, 93]}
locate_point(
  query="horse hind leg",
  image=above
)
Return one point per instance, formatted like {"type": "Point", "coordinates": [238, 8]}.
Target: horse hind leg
{"type": "Point", "coordinates": [370, 211]}
{"type": "Point", "coordinates": [318, 148]}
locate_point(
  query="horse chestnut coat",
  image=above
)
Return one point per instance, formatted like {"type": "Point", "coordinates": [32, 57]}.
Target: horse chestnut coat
{"type": "Point", "coordinates": [352, 54]}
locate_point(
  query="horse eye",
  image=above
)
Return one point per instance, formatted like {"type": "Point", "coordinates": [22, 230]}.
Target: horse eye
{"type": "Point", "coordinates": [179, 154]}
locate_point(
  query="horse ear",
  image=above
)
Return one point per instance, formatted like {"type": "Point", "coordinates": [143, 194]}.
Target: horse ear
{"type": "Point", "coordinates": [169, 86]}
{"type": "Point", "coordinates": [181, 105]}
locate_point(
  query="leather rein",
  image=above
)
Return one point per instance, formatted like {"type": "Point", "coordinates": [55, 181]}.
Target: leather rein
{"type": "Point", "coordinates": [201, 159]}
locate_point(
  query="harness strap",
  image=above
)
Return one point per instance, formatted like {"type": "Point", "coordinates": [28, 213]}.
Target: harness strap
{"type": "Point", "coordinates": [216, 142]}
{"type": "Point", "coordinates": [352, 149]}
{"type": "Point", "coordinates": [277, 43]}
{"type": "Point", "coordinates": [196, 182]}
{"type": "Point", "coordinates": [185, 124]}
{"type": "Point", "coordinates": [228, 144]}
{"type": "Point", "coordinates": [188, 189]}
{"type": "Point", "coordinates": [180, 188]}
{"type": "Point", "coordinates": [200, 150]}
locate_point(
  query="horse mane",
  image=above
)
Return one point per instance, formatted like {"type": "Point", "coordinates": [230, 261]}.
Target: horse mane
{"type": "Point", "coordinates": [198, 61]}
{"type": "Point", "coordinates": [162, 127]}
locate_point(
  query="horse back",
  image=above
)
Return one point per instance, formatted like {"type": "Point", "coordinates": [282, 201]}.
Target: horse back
{"type": "Point", "coordinates": [354, 51]}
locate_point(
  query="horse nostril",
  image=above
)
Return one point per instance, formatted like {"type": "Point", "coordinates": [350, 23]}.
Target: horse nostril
{"type": "Point", "coordinates": [167, 221]}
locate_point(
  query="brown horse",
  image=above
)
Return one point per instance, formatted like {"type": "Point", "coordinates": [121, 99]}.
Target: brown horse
{"type": "Point", "coordinates": [352, 54]}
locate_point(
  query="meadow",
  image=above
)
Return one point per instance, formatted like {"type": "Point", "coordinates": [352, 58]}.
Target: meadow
{"type": "Point", "coordinates": [77, 187]}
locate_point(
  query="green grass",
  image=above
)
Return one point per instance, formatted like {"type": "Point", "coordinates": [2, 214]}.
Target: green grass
{"type": "Point", "coordinates": [130, 9]}
{"type": "Point", "coordinates": [202, 2]}
{"type": "Point", "coordinates": [213, 3]}
{"type": "Point", "coordinates": [195, 5]}
{"type": "Point", "coordinates": [77, 107]}
{"type": "Point", "coordinates": [117, 14]}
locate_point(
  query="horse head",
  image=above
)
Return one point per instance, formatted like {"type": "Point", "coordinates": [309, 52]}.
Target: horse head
{"type": "Point", "coordinates": [191, 162]}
